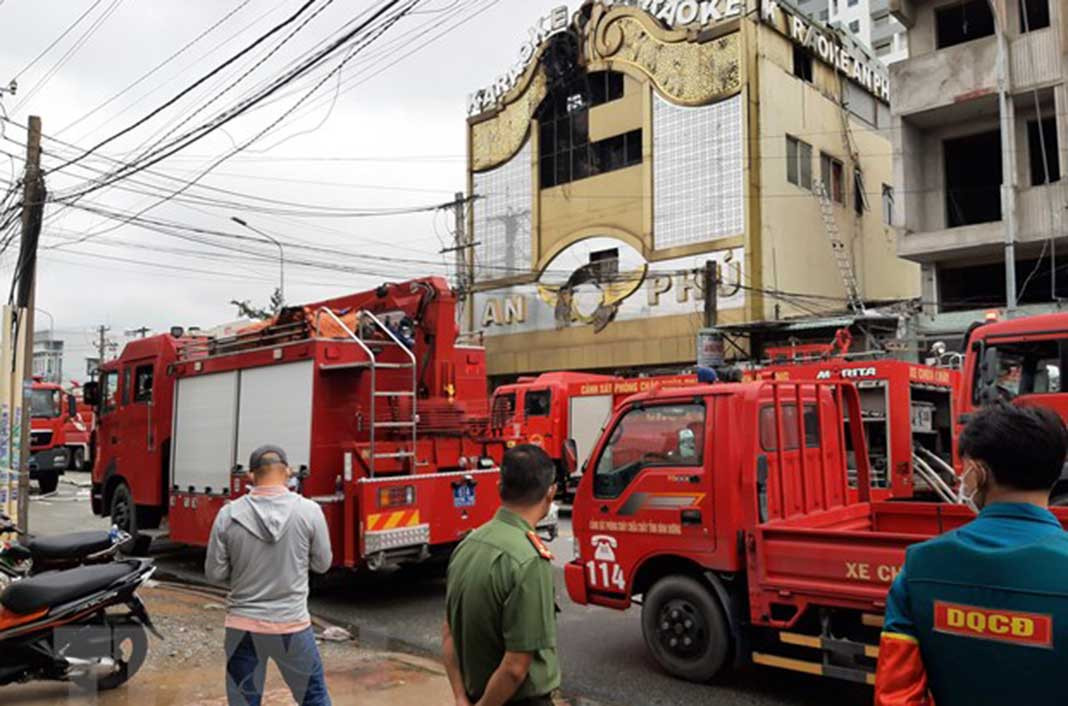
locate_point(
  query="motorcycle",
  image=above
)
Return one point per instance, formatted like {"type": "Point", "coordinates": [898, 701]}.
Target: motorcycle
{"type": "Point", "coordinates": [56, 626]}
{"type": "Point", "coordinates": [32, 555]}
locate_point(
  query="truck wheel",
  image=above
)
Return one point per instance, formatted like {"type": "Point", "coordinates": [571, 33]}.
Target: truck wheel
{"type": "Point", "coordinates": [77, 462]}
{"type": "Point", "coordinates": [684, 628]}
{"type": "Point", "coordinates": [123, 511]}
{"type": "Point", "coordinates": [48, 481]}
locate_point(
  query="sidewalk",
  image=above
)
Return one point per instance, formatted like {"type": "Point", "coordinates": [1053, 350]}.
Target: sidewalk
{"type": "Point", "coordinates": [187, 667]}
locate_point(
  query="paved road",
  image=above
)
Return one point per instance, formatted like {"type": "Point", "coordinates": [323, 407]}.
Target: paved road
{"type": "Point", "coordinates": [602, 652]}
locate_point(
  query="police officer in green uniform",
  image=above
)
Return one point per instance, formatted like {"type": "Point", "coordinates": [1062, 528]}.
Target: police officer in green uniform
{"type": "Point", "coordinates": [499, 637]}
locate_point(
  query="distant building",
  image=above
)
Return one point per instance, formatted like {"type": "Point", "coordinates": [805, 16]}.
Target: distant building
{"type": "Point", "coordinates": [870, 21]}
{"type": "Point", "coordinates": [948, 156]}
{"type": "Point", "coordinates": [47, 357]}
{"type": "Point", "coordinates": [634, 142]}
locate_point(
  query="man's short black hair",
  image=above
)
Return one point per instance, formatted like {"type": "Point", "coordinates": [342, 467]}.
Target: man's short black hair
{"type": "Point", "coordinates": [526, 474]}
{"type": "Point", "coordinates": [1024, 447]}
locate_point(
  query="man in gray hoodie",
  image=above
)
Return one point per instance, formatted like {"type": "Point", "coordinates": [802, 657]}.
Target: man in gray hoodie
{"type": "Point", "coordinates": [263, 544]}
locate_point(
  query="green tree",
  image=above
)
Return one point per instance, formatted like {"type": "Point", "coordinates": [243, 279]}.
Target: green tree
{"type": "Point", "coordinates": [247, 310]}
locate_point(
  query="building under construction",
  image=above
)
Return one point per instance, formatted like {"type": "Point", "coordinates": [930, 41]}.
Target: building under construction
{"type": "Point", "coordinates": [634, 142]}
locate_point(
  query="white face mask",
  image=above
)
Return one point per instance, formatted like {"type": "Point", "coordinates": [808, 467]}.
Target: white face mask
{"type": "Point", "coordinates": [971, 499]}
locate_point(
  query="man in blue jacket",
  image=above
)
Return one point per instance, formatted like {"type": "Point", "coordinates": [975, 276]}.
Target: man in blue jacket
{"type": "Point", "coordinates": [979, 615]}
{"type": "Point", "coordinates": [263, 544]}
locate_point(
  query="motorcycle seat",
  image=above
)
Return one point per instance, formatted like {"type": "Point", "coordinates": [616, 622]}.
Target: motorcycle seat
{"type": "Point", "coordinates": [75, 545]}
{"type": "Point", "coordinates": [54, 588]}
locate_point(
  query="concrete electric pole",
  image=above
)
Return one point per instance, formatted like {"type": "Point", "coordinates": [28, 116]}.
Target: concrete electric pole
{"type": "Point", "coordinates": [33, 197]}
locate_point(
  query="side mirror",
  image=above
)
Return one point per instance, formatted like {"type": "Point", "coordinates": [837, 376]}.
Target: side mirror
{"type": "Point", "coordinates": [91, 393]}
{"type": "Point", "coordinates": [72, 406]}
{"type": "Point", "coordinates": [988, 367]}
{"type": "Point", "coordinates": [571, 456]}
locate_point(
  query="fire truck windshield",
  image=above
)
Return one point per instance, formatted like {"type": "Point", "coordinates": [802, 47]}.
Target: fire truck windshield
{"type": "Point", "coordinates": [1028, 368]}
{"type": "Point", "coordinates": [46, 403]}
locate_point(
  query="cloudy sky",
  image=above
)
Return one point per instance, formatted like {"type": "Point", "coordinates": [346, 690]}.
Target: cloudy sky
{"type": "Point", "coordinates": [393, 138]}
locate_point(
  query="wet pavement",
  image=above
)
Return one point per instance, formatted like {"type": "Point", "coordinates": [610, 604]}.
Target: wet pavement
{"type": "Point", "coordinates": [602, 652]}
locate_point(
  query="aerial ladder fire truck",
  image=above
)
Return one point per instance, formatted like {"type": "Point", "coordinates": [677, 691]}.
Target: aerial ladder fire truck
{"type": "Point", "coordinates": [382, 412]}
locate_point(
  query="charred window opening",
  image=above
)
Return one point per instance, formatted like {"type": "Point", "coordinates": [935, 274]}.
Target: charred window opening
{"type": "Point", "coordinates": [1034, 14]}
{"type": "Point", "coordinates": [802, 64]}
{"type": "Point", "coordinates": [1042, 140]}
{"type": "Point", "coordinates": [832, 175]}
{"type": "Point", "coordinates": [982, 286]}
{"type": "Point", "coordinates": [973, 179]}
{"type": "Point", "coordinates": [565, 149]}
{"type": "Point", "coordinates": [962, 22]}
{"type": "Point", "coordinates": [860, 197]}
{"type": "Point", "coordinates": [606, 263]}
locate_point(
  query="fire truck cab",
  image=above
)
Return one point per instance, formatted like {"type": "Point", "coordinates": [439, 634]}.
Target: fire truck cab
{"type": "Point", "coordinates": [381, 412]}
{"type": "Point", "coordinates": [564, 412]}
{"type": "Point", "coordinates": [1019, 361]}
{"type": "Point", "coordinates": [59, 436]}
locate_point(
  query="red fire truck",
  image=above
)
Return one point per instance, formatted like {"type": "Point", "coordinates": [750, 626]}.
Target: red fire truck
{"type": "Point", "coordinates": [908, 413]}
{"type": "Point", "coordinates": [551, 409]}
{"type": "Point", "coordinates": [748, 545]}
{"type": "Point", "coordinates": [379, 408]}
{"type": "Point", "coordinates": [1021, 361]}
{"type": "Point", "coordinates": [59, 434]}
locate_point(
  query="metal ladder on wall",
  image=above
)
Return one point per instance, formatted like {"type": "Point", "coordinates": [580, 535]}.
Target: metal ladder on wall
{"type": "Point", "coordinates": [374, 364]}
{"type": "Point", "coordinates": [839, 250]}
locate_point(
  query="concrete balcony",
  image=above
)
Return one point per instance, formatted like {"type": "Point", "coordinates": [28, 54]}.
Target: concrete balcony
{"type": "Point", "coordinates": [1035, 59]}
{"type": "Point", "coordinates": [1040, 211]}
{"type": "Point", "coordinates": [945, 77]}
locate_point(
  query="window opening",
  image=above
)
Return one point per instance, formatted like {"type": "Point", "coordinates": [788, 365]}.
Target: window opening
{"type": "Point", "coordinates": [1039, 135]}
{"type": "Point", "coordinates": [110, 391]}
{"type": "Point", "coordinates": [888, 204]}
{"type": "Point", "coordinates": [802, 64]}
{"type": "Point", "coordinates": [143, 384]}
{"type": "Point", "coordinates": [832, 176]}
{"type": "Point", "coordinates": [649, 437]}
{"type": "Point", "coordinates": [798, 162]}
{"type": "Point", "coordinates": [1032, 368]}
{"type": "Point", "coordinates": [1034, 14]}
{"type": "Point", "coordinates": [537, 403]}
{"type": "Point", "coordinates": [963, 22]}
{"type": "Point", "coordinates": [789, 427]}
{"type": "Point", "coordinates": [973, 179]}
{"type": "Point", "coordinates": [854, 26]}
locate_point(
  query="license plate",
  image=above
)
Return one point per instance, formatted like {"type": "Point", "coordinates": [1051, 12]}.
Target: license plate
{"type": "Point", "coordinates": [463, 496]}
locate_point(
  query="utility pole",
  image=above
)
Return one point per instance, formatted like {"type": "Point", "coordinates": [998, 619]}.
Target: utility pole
{"type": "Point", "coordinates": [464, 273]}
{"type": "Point", "coordinates": [711, 287]}
{"type": "Point", "coordinates": [102, 343]}
{"type": "Point", "coordinates": [33, 197]}
{"type": "Point", "coordinates": [139, 332]}
{"type": "Point", "coordinates": [1007, 127]}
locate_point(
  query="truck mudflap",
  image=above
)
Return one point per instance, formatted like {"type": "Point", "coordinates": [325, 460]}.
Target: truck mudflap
{"type": "Point", "coordinates": [575, 580]}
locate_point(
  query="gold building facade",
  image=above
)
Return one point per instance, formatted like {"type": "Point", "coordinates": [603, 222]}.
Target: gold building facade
{"type": "Point", "coordinates": [635, 142]}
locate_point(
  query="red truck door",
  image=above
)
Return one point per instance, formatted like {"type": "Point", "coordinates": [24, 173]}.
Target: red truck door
{"type": "Point", "coordinates": [108, 431]}
{"type": "Point", "coordinates": [141, 456]}
{"type": "Point", "coordinates": [538, 419]}
{"type": "Point", "coordinates": [646, 491]}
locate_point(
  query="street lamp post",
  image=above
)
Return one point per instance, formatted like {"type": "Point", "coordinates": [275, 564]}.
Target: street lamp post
{"type": "Point", "coordinates": [281, 254]}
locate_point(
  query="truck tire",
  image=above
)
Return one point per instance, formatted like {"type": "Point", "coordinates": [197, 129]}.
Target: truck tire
{"type": "Point", "coordinates": [684, 628]}
{"type": "Point", "coordinates": [77, 460]}
{"type": "Point", "coordinates": [48, 481]}
{"type": "Point", "coordinates": [123, 511]}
